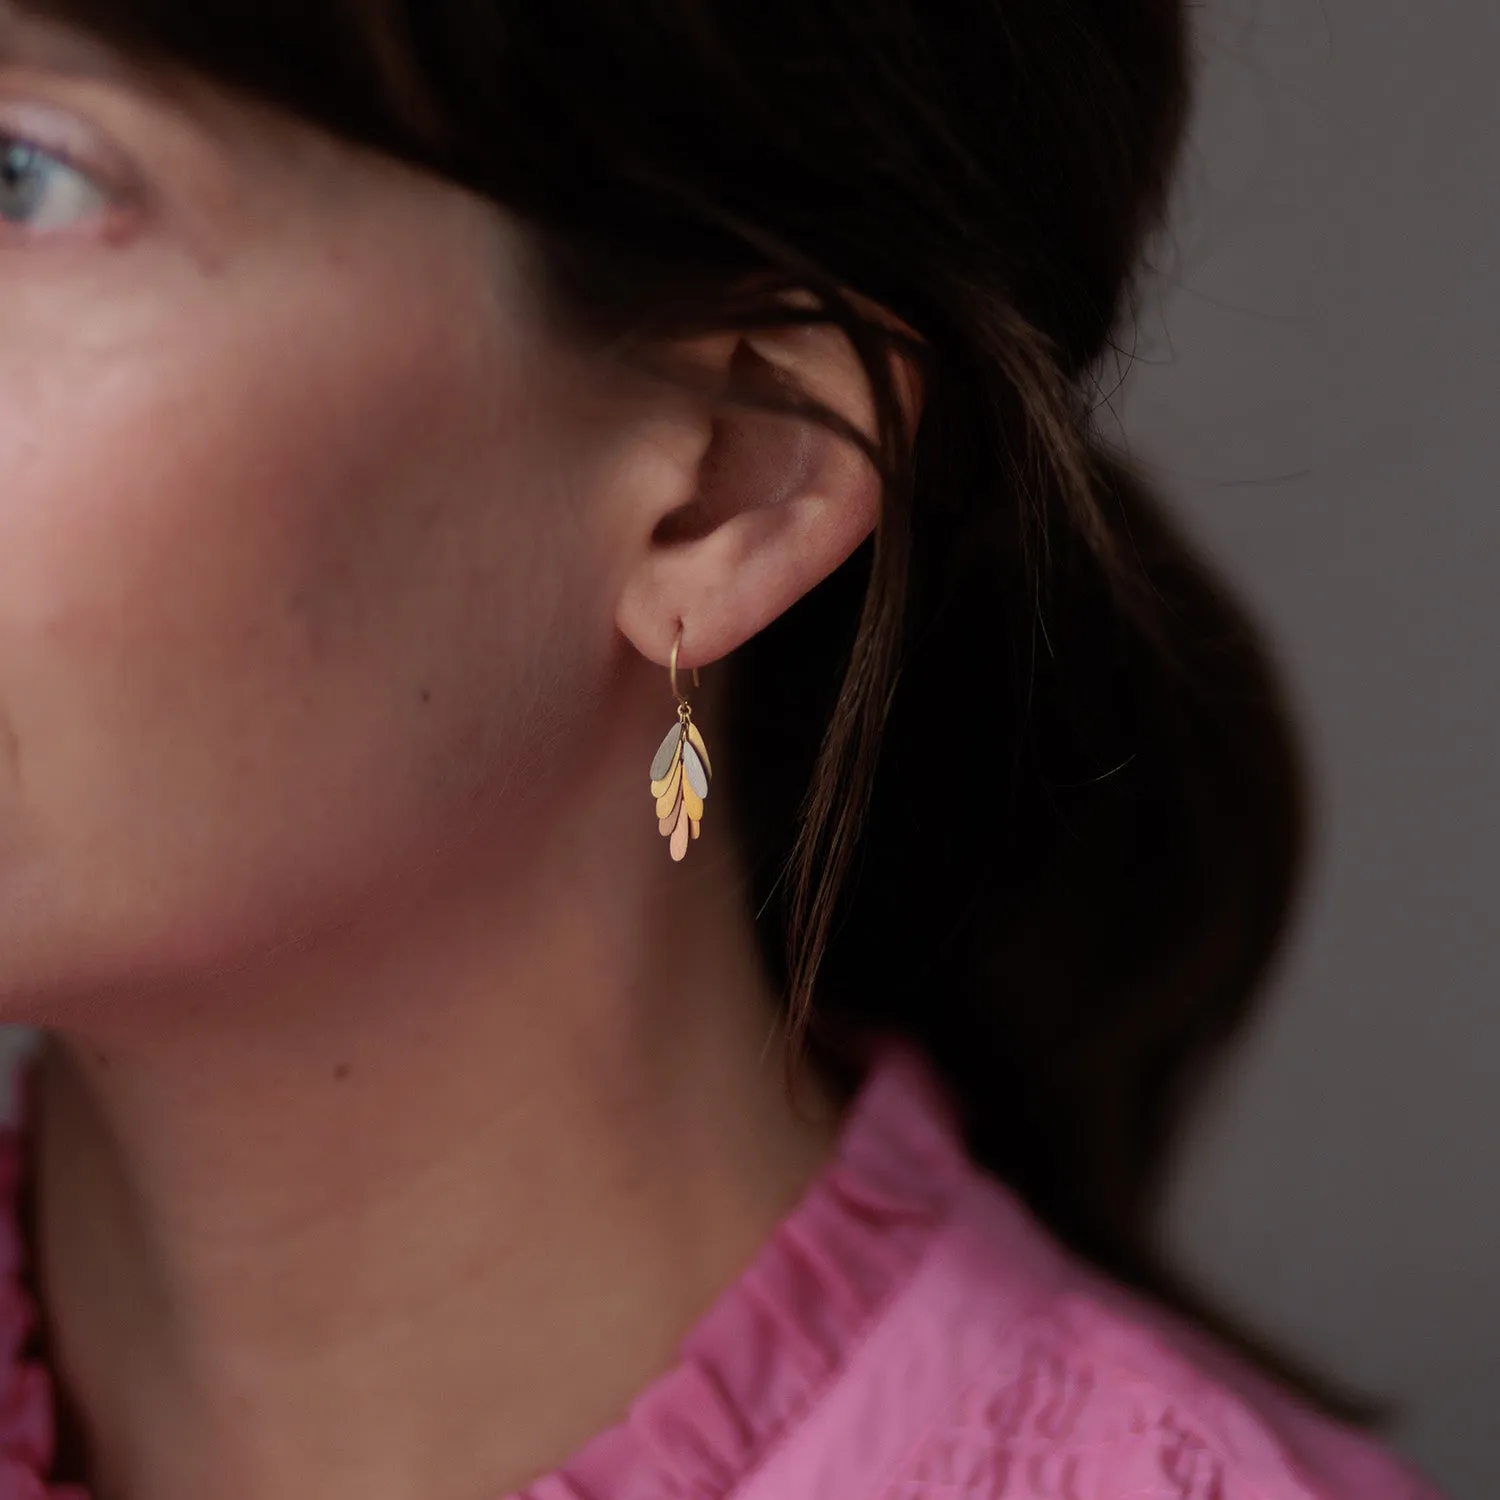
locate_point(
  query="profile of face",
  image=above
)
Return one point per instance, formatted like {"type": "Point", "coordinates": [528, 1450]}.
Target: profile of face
{"type": "Point", "coordinates": [319, 543]}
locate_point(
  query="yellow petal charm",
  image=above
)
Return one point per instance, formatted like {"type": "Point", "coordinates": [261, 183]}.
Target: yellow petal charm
{"type": "Point", "coordinates": [659, 788]}
{"type": "Point", "coordinates": [668, 799]}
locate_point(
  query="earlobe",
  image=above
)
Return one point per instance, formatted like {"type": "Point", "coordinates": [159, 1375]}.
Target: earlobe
{"type": "Point", "coordinates": [779, 503]}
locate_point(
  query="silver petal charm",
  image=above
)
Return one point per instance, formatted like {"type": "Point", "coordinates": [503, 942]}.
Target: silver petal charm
{"type": "Point", "coordinates": [697, 777]}
{"type": "Point", "coordinates": [663, 762]}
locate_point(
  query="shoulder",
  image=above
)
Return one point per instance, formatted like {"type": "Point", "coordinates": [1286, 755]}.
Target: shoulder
{"type": "Point", "coordinates": [1007, 1371]}
{"type": "Point", "coordinates": [1079, 1400]}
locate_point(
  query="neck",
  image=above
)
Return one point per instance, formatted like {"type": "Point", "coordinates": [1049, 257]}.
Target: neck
{"type": "Point", "coordinates": [416, 1209]}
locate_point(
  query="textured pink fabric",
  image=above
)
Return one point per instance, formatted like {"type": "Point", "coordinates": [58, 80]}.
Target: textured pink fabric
{"type": "Point", "coordinates": [907, 1333]}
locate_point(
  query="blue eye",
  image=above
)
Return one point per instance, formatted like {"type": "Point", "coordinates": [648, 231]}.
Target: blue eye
{"type": "Point", "coordinates": [40, 192]}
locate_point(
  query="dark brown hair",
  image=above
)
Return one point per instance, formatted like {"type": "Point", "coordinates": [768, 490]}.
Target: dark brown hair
{"type": "Point", "coordinates": [1017, 781]}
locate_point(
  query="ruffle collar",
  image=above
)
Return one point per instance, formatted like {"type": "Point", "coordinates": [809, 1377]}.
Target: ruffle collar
{"type": "Point", "coordinates": [753, 1366]}
{"type": "Point", "coordinates": [28, 1423]}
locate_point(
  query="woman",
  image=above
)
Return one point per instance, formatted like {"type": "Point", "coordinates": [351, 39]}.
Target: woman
{"type": "Point", "coordinates": [413, 416]}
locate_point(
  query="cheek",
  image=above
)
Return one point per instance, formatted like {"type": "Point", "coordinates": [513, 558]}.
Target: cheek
{"type": "Point", "coordinates": [275, 588]}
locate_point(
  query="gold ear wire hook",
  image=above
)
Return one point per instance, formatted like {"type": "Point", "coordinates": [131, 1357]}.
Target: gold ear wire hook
{"type": "Point", "coordinates": [672, 667]}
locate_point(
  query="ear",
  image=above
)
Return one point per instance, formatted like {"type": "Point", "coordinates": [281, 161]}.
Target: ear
{"type": "Point", "coordinates": [776, 502]}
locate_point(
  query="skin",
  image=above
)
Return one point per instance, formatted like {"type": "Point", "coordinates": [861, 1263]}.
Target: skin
{"type": "Point", "coordinates": [402, 1104]}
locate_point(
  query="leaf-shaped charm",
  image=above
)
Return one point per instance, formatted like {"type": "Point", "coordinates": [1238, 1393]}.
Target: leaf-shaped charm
{"type": "Point", "coordinates": [662, 765]}
{"type": "Point", "coordinates": [669, 798]}
{"type": "Point", "coordinates": [681, 834]}
{"type": "Point", "coordinates": [696, 740]}
{"type": "Point", "coordinates": [658, 788]}
{"type": "Point", "coordinates": [692, 768]}
{"type": "Point", "coordinates": [680, 777]}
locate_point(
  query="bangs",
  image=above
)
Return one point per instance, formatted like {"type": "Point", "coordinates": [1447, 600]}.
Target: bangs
{"type": "Point", "coordinates": [349, 66]}
{"type": "Point", "coordinates": [597, 123]}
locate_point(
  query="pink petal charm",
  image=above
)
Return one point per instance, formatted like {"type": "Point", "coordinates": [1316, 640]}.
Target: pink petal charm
{"type": "Point", "coordinates": [680, 833]}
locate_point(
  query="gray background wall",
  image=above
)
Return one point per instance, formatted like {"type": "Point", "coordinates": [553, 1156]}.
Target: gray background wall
{"type": "Point", "coordinates": [1317, 386]}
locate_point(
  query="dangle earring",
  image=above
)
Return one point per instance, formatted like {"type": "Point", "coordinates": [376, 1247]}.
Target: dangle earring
{"type": "Point", "coordinates": [681, 771]}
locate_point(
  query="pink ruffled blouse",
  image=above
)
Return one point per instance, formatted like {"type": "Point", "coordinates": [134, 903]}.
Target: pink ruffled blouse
{"type": "Point", "coordinates": [908, 1332]}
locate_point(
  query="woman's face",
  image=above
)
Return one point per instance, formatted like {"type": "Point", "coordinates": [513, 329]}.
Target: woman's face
{"type": "Point", "coordinates": [298, 523]}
